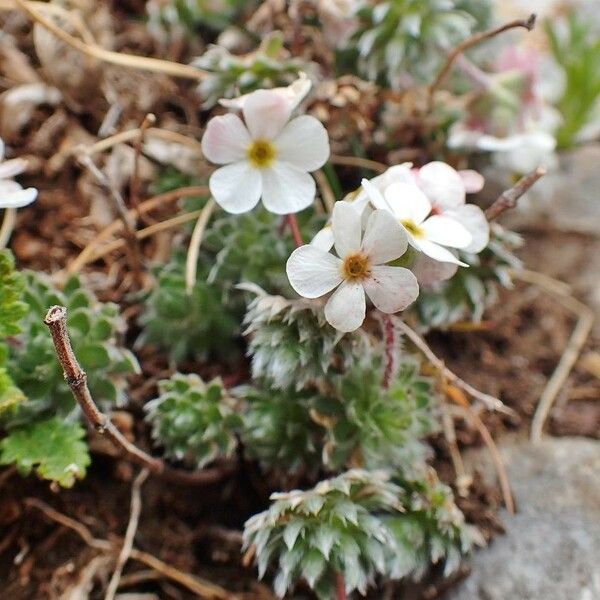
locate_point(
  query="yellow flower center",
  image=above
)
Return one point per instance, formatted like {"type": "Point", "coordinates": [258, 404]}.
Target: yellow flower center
{"type": "Point", "coordinates": [261, 153]}
{"type": "Point", "coordinates": [412, 228]}
{"type": "Point", "coordinates": [356, 266]}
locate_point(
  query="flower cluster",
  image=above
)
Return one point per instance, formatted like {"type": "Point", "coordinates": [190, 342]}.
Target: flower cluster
{"type": "Point", "coordinates": [424, 208]}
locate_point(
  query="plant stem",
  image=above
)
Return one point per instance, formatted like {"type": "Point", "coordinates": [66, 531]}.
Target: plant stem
{"type": "Point", "coordinates": [389, 333]}
{"type": "Point", "coordinates": [293, 225]}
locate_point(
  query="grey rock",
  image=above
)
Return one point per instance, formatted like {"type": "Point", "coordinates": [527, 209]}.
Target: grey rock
{"type": "Point", "coordinates": [551, 548]}
{"type": "Point", "coordinates": [567, 197]}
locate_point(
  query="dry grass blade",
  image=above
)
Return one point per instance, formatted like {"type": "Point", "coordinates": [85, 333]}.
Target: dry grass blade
{"type": "Point", "coordinates": [155, 65]}
{"type": "Point", "coordinates": [8, 224]}
{"type": "Point", "coordinates": [583, 328]}
{"type": "Point", "coordinates": [134, 518]}
{"type": "Point", "coordinates": [487, 400]}
{"type": "Point", "coordinates": [465, 411]}
{"type": "Point", "coordinates": [191, 261]}
{"type": "Point", "coordinates": [357, 161]}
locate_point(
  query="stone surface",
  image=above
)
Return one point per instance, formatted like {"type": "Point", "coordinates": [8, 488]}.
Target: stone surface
{"type": "Point", "coordinates": [566, 197]}
{"type": "Point", "coordinates": [551, 549]}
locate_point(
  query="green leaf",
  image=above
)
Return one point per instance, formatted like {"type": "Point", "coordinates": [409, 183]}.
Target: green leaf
{"type": "Point", "coordinates": [53, 448]}
{"type": "Point", "coordinates": [12, 308]}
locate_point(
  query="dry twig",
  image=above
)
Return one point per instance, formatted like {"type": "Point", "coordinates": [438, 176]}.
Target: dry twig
{"type": "Point", "coordinates": [508, 198]}
{"type": "Point", "coordinates": [133, 247]}
{"type": "Point", "coordinates": [469, 43]}
{"type": "Point", "coordinates": [134, 185]}
{"type": "Point", "coordinates": [56, 320]}
{"type": "Point", "coordinates": [202, 588]}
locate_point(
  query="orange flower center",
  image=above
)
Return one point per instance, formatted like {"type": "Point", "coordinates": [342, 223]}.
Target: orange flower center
{"type": "Point", "coordinates": [356, 266]}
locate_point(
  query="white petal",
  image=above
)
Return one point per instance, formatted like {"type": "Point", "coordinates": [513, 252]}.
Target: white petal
{"type": "Point", "coordinates": [474, 220]}
{"type": "Point", "coordinates": [303, 143]}
{"type": "Point", "coordinates": [13, 167]}
{"type": "Point", "coordinates": [266, 112]}
{"type": "Point", "coordinates": [18, 198]}
{"type": "Point", "coordinates": [472, 180]}
{"type": "Point", "coordinates": [286, 189]}
{"type": "Point", "coordinates": [391, 289]}
{"type": "Point", "coordinates": [346, 229]}
{"type": "Point", "coordinates": [437, 252]}
{"type": "Point", "coordinates": [236, 187]}
{"type": "Point", "coordinates": [384, 238]}
{"type": "Point", "coordinates": [346, 308]}
{"type": "Point", "coordinates": [442, 185]}
{"type": "Point", "coordinates": [429, 271]}
{"type": "Point", "coordinates": [324, 238]}
{"type": "Point", "coordinates": [446, 231]}
{"type": "Point", "coordinates": [225, 140]}
{"type": "Point", "coordinates": [313, 272]}
{"type": "Point", "coordinates": [407, 202]}
{"type": "Point", "coordinates": [375, 196]}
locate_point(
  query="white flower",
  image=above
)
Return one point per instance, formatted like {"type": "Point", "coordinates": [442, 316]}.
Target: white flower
{"type": "Point", "coordinates": [360, 268]}
{"type": "Point", "coordinates": [268, 157]}
{"type": "Point", "coordinates": [293, 93]}
{"type": "Point", "coordinates": [12, 195]}
{"type": "Point", "coordinates": [430, 234]}
{"type": "Point", "coordinates": [446, 189]}
{"type": "Point", "coordinates": [360, 200]}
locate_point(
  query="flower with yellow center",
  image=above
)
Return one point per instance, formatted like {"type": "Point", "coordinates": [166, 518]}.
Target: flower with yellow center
{"type": "Point", "coordinates": [265, 156]}
{"type": "Point", "coordinates": [429, 233]}
{"type": "Point", "coordinates": [358, 269]}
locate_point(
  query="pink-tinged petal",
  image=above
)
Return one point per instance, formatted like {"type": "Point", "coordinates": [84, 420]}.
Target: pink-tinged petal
{"type": "Point", "coordinates": [346, 308]}
{"type": "Point", "coordinates": [236, 187]}
{"type": "Point", "coordinates": [384, 238]}
{"type": "Point", "coordinates": [391, 289]}
{"type": "Point", "coordinates": [266, 112]}
{"type": "Point", "coordinates": [346, 229]}
{"type": "Point", "coordinates": [437, 252]}
{"type": "Point", "coordinates": [408, 202]}
{"type": "Point", "coordinates": [442, 185]}
{"type": "Point", "coordinates": [313, 272]}
{"type": "Point", "coordinates": [324, 238]}
{"type": "Point", "coordinates": [286, 189]}
{"type": "Point", "coordinates": [17, 198]}
{"type": "Point", "coordinates": [472, 180]}
{"type": "Point", "coordinates": [375, 196]}
{"type": "Point", "coordinates": [11, 168]}
{"type": "Point", "coordinates": [225, 140]}
{"type": "Point", "coordinates": [429, 271]}
{"type": "Point", "coordinates": [446, 231]}
{"type": "Point", "coordinates": [475, 222]}
{"type": "Point", "coordinates": [303, 143]}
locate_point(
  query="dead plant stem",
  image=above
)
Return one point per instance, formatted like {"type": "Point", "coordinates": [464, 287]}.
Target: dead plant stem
{"type": "Point", "coordinates": [508, 199]}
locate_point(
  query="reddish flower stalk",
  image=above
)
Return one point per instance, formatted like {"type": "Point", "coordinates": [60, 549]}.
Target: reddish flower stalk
{"type": "Point", "coordinates": [389, 333]}
{"type": "Point", "coordinates": [340, 587]}
{"type": "Point", "coordinates": [293, 225]}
